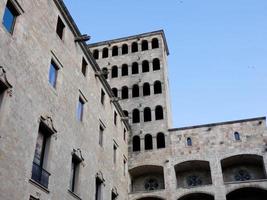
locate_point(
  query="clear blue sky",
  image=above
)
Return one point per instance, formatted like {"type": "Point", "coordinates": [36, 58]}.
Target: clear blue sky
{"type": "Point", "coordinates": [218, 50]}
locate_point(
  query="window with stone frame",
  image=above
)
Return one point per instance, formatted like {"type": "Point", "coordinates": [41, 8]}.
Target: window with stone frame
{"type": "Point", "coordinates": [10, 15]}
{"type": "Point", "coordinates": [60, 28]}
{"type": "Point", "coordinates": [84, 67]}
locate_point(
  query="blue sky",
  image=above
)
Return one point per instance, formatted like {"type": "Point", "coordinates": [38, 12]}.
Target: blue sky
{"type": "Point", "coordinates": [218, 50]}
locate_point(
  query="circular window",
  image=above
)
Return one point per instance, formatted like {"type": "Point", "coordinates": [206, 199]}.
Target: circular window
{"type": "Point", "coordinates": [151, 184]}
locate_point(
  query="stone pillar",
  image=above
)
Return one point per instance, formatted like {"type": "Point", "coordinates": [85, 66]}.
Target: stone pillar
{"type": "Point", "coordinates": [154, 140]}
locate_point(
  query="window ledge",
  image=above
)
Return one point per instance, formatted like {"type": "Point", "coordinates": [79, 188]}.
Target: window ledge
{"type": "Point", "coordinates": [33, 182]}
{"type": "Point", "coordinates": [74, 194]}
{"type": "Point", "coordinates": [248, 181]}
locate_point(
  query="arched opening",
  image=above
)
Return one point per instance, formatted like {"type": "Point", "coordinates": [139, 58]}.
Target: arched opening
{"type": "Point", "coordinates": [114, 72]}
{"type": "Point", "coordinates": [124, 70]}
{"type": "Point", "coordinates": [148, 142]}
{"type": "Point", "coordinates": [145, 66]}
{"type": "Point", "coordinates": [115, 51]}
{"type": "Point", "coordinates": [157, 87]}
{"type": "Point", "coordinates": [115, 92]}
{"type": "Point", "coordinates": [197, 196]}
{"type": "Point", "coordinates": [159, 113]}
{"type": "Point", "coordinates": [134, 47]}
{"type": "Point", "coordinates": [193, 174]}
{"type": "Point", "coordinates": [246, 167]}
{"type": "Point", "coordinates": [124, 92]}
{"type": "Point", "coordinates": [105, 52]}
{"type": "Point", "coordinates": [125, 112]}
{"type": "Point", "coordinates": [144, 45]}
{"type": "Point", "coordinates": [160, 140]}
{"type": "Point", "coordinates": [146, 89]}
{"type": "Point", "coordinates": [237, 136]}
{"type": "Point", "coordinates": [135, 91]}
{"type": "Point", "coordinates": [248, 193]}
{"type": "Point", "coordinates": [151, 198]}
{"type": "Point", "coordinates": [189, 141]}
{"type": "Point", "coordinates": [105, 72]}
{"type": "Point", "coordinates": [96, 54]}
{"type": "Point", "coordinates": [135, 69]}
{"type": "Point", "coordinates": [155, 43]}
{"type": "Point", "coordinates": [136, 116]}
{"type": "Point", "coordinates": [156, 64]}
{"type": "Point", "coordinates": [147, 178]}
{"type": "Point", "coordinates": [136, 143]}
{"type": "Point", "coordinates": [147, 114]}
{"type": "Point", "coordinates": [124, 49]}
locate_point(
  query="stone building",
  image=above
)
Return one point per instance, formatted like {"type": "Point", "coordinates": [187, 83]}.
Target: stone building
{"type": "Point", "coordinates": [97, 126]}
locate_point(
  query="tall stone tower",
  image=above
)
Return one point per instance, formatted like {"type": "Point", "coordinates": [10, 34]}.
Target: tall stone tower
{"type": "Point", "coordinates": [136, 69]}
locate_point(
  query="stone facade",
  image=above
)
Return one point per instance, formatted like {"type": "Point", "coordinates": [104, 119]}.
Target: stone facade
{"type": "Point", "coordinates": [96, 146]}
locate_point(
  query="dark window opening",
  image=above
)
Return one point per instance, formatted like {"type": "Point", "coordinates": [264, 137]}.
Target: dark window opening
{"type": "Point", "coordinates": [155, 43]}
{"type": "Point", "coordinates": [115, 92]}
{"type": "Point", "coordinates": [189, 141]}
{"type": "Point", "coordinates": [148, 142]}
{"type": "Point", "coordinates": [124, 49]}
{"type": "Point", "coordinates": [115, 51]}
{"type": "Point", "coordinates": [114, 153]}
{"type": "Point", "coordinates": [102, 96]}
{"type": "Point", "coordinates": [134, 47]}
{"type": "Point", "coordinates": [115, 118]}
{"type": "Point", "coordinates": [136, 116]}
{"type": "Point", "coordinates": [145, 66]}
{"type": "Point", "coordinates": [96, 54]}
{"type": "Point", "coordinates": [80, 109]}
{"type": "Point", "coordinates": [126, 113]}
{"type": "Point", "coordinates": [124, 70]}
{"type": "Point", "coordinates": [157, 87]}
{"type": "Point", "coordinates": [105, 72]}
{"type": "Point", "coordinates": [60, 27]}
{"type": "Point", "coordinates": [98, 189]}
{"type": "Point", "coordinates": [144, 45]}
{"type": "Point", "coordinates": [156, 64]}
{"type": "Point", "coordinates": [105, 53]}
{"type": "Point", "coordinates": [84, 66]}
{"type": "Point", "coordinates": [237, 136]}
{"type": "Point", "coordinates": [159, 113]}
{"type": "Point", "coordinates": [147, 114]}
{"type": "Point", "coordinates": [101, 135]}
{"type": "Point", "coordinates": [136, 143]}
{"type": "Point", "coordinates": [74, 173]}
{"type": "Point", "coordinates": [146, 89]}
{"type": "Point", "coordinates": [160, 140]}
{"type": "Point", "coordinates": [124, 92]}
{"type": "Point", "coordinates": [114, 72]}
{"type": "Point", "coordinates": [135, 69]}
{"type": "Point", "coordinates": [135, 91]}
{"type": "Point", "coordinates": [53, 71]}
{"type": "Point", "coordinates": [124, 134]}
{"type": "Point", "coordinates": [10, 15]}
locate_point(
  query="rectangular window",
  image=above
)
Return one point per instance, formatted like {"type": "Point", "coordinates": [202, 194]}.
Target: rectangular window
{"type": "Point", "coordinates": [38, 173]}
{"type": "Point", "coordinates": [60, 27]}
{"type": "Point", "coordinates": [124, 134]}
{"type": "Point", "coordinates": [84, 66]}
{"type": "Point", "coordinates": [98, 189]}
{"type": "Point", "coordinates": [10, 15]}
{"type": "Point", "coordinates": [53, 74]}
{"type": "Point", "coordinates": [102, 96]}
{"type": "Point", "coordinates": [114, 153]}
{"type": "Point", "coordinates": [80, 109]}
{"type": "Point", "coordinates": [74, 174]}
{"type": "Point", "coordinates": [124, 167]}
{"type": "Point", "coordinates": [115, 118]}
{"type": "Point", "coordinates": [2, 92]}
{"type": "Point", "coordinates": [101, 135]}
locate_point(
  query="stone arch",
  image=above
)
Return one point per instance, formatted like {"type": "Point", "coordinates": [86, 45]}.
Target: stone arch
{"type": "Point", "coordinates": [135, 69]}
{"type": "Point", "coordinates": [136, 116]}
{"type": "Point", "coordinates": [156, 64]}
{"type": "Point", "coordinates": [145, 66]}
{"type": "Point", "coordinates": [159, 113]}
{"type": "Point", "coordinates": [114, 72]}
{"type": "Point", "coordinates": [124, 70]}
{"type": "Point", "coordinates": [148, 142]}
{"type": "Point", "coordinates": [135, 91]}
{"type": "Point", "coordinates": [155, 43]}
{"type": "Point", "coordinates": [105, 52]}
{"type": "Point", "coordinates": [124, 92]}
{"type": "Point", "coordinates": [144, 45]}
{"type": "Point", "coordinates": [197, 196]}
{"type": "Point", "coordinates": [124, 49]}
{"type": "Point", "coordinates": [134, 47]}
{"type": "Point", "coordinates": [247, 193]}
{"type": "Point", "coordinates": [157, 87]}
{"type": "Point", "coordinates": [115, 51]}
{"type": "Point", "coordinates": [146, 89]}
{"type": "Point", "coordinates": [160, 140]}
{"type": "Point", "coordinates": [147, 114]}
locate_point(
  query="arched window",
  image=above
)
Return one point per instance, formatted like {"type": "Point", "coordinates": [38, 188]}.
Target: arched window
{"type": "Point", "coordinates": [147, 114]}
{"type": "Point", "coordinates": [146, 89]}
{"type": "Point", "coordinates": [156, 64]}
{"type": "Point", "coordinates": [148, 142]}
{"type": "Point", "coordinates": [105, 72]}
{"type": "Point", "coordinates": [155, 43]}
{"type": "Point", "coordinates": [115, 92]}
{"type": "Point", "coordinates": [144, 45]}
{"type": "Point", "coordinates": [189, 141]}
{"type": "Point", "coordinates": [136, 143]}
{"type": "Point", "coordinates": [134, 47]}
{"type": "Point", "coordinates": [96, 54]}
{"type": "Point", "coordinates": [124, 49]}
{"type": "Point", "coordinates": [145, 66]}
{"type": "Point", "coordinates": [115, 51]}
{"type": "Point", "coordinates": [114, 72]}
{"type": "Point", "coordinates": [160, 140]}
{"type": "Point", "coordinates": [135, 91]}
{"type": "Point", "coordinates": [237, 136]}
{"type": "Point", "coordinates": [159, 112]}
{"type": "Point", "coordinates": [157, 87]}
{"type": "Point", "coordinates": [135, 69]}
{"type": "Point", "coordinates": [136, 116]}
{"type": "Point", "coordinates": [126, 113]}
{"type": "Point", "coordinates": [105, 52]}
{"type": "Point", "coordinates": [124, 92]}
{"type": "Point", "coordinates": [124, 70]}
